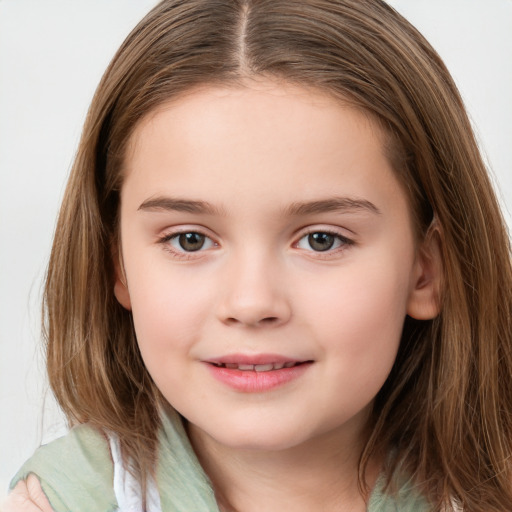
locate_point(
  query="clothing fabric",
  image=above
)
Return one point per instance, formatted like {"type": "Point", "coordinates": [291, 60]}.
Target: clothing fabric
{"type": "Point", "coordinates": [83, 471]}
{"type": "Point", "coordinates": [127, 488]}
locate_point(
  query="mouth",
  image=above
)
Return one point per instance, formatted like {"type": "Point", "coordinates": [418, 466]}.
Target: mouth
{"type": "Point", "coordinates": [257, 373]}
{"type": "Point", "coordinates": [267, 367]}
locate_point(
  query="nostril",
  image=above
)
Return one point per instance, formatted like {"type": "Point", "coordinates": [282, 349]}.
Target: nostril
{"type": "Point", "coordinates": [268, 320]}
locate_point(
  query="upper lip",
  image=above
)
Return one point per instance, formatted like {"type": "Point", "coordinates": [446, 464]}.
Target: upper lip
{"type": "Point", "coordinates": [254, 359]}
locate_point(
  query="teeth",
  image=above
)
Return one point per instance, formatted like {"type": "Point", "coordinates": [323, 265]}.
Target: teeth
{"type": "Point", "coordinates": [263, 367]}
{"type": "Point", "coordinates": [256, 367]}
{"type": "Point", "coordinates": [245, 367]}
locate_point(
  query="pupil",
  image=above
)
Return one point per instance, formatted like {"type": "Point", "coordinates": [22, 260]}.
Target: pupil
{"type": "Point", "coordinates": [321, 241]}
{"type": "Point", "coordinates": [191, 241]}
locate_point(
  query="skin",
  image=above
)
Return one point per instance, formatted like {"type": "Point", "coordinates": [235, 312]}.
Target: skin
{"type": "Point", "coordinates": [27, 497]}
{"type": "Point", "coordinates": [258, 286]}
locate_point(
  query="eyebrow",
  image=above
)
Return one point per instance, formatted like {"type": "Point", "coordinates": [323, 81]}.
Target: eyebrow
{"type": "Point", "coordinates": [179, 205]}
{"type": "Point", "coordinates": [334, 204]}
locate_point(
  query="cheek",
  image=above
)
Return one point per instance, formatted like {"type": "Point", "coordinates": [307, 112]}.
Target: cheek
{"type": "Point", "coordinates": [169, 311]}
{"type": "Point", "coordinates": [358, 326]}
{"type": "Point", "coordinates": [359, 315]}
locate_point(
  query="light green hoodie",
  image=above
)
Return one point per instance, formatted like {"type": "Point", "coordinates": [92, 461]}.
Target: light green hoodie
{"type": "Point", "coordinates": [76, 474]}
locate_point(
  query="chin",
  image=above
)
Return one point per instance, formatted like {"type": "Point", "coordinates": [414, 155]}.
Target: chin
{"type": "Point", "coordinates": [260, 444]}
{"type": "Point", "coordinates": [263, 438]}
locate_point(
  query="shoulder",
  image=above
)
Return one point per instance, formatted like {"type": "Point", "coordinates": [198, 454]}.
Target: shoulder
{"type": "Point", "coordinates": [406, 497]}
{"type": "Point", "coordinates": [75, 471]}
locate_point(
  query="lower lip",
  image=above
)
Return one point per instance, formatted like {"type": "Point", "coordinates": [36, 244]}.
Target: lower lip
{"type": "Point", "coordinates": [250, 381]}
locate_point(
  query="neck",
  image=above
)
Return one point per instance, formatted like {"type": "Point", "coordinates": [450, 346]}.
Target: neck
{"type": "Point", "coordinates": [318, 475]}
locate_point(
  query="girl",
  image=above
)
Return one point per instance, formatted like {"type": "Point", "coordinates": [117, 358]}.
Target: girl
{"type": "Point", "coordinates": [280, 278]}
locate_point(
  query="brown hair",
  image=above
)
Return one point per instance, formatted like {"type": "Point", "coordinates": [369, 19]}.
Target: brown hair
{"type": "Point", "coordinates": [445, 412]}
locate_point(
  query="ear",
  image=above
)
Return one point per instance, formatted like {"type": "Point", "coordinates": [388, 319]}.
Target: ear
{"type": "Point", "coordinates": [424, 298]}
{"type": "Point", "coordinates": [120, 286]}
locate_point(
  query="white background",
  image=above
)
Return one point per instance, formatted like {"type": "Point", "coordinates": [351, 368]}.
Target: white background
{"type": "Point", "coordinates": [52, 55]}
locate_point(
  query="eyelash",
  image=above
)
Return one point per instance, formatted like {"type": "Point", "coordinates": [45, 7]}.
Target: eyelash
{"type": "Point", "coordinates": [183, 254]}
{"type": "Point", "coordinates": [342, 241]}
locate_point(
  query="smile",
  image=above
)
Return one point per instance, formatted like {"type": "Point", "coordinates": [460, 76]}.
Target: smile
{"type": "Point", "coordinates": [256, 367]}
{"type": "Point", "coordinates": [256, 374]}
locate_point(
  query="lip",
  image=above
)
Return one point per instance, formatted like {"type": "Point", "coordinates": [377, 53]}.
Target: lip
{"type": "Point", "coordinates": [252, 381]}
{"type": "Point", "coordinates": [253, 359]}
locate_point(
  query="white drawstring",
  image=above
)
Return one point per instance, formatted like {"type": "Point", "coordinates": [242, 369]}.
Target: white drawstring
{"type": "Point", "coordinates": [126, 488]}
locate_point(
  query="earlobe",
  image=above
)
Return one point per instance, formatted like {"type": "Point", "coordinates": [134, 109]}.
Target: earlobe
{"type": "Point", "coordinates": [425, 297]}
{"type": "Point", "coordinates": [120, 286]}
{"type": "Point", "coordinates": [122, 294]}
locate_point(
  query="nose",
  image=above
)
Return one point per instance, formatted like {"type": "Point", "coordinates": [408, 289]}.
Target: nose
{"type": "Point", "coordinates": [254, 294]}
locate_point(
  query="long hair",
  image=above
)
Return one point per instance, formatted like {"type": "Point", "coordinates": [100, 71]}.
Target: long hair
{"type": "Point", "coordinates": [445, 413]}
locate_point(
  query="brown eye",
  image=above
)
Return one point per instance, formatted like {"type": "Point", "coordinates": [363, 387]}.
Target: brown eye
{"type": "Point", "coordinates": [191, 242]}
{"type": "Point", "coordinates": [321, 241]}
{"type": "Point", "coordinates": [187, 242]}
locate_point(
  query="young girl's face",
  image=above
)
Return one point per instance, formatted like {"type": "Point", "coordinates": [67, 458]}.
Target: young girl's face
{"type": "Point", "coordinates": [269, 262]}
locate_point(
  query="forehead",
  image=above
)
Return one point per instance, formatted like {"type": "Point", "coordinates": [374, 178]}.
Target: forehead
{"type": "Point", "coordinates": [255, 102]}
{"type": "Point", "coordinates": [265, 138]}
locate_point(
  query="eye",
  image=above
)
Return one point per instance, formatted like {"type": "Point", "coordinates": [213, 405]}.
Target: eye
{"type": "Point", "coordinates": [322, 241]}
{"type": "Point", "coordinates": [190, 241]}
